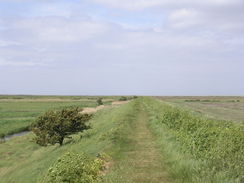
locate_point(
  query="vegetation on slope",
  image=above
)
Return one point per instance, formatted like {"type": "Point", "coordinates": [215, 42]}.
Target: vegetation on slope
{"type": "Point", "coordinates": [35, 161]}
{"type": "Point", "coordinates": [190, 148]}
{"type": "Point", "coordinates": [197, 149]}
{"type": "Point", "coordinates": [75, 168]}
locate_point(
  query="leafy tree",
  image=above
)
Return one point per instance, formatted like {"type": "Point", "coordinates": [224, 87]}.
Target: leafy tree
{"type": "Point", "coordinates": [55, 125]}
{"type": "Point", "coordinates": [99, 101]}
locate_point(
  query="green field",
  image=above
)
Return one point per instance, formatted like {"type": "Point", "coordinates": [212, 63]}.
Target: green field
{"type": "Point", "coordinates": [223, 108]}
{"type": "Point", "coordinates": [147, 140]}
{"type": "Point", "coordinates": [18, 112]}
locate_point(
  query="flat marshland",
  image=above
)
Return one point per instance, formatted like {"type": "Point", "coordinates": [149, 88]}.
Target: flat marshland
{"type": "Point", "coordinates": [18, 112]}
{"type": "Point", "coordinates": [147, 140]}
{"type": "Point", "coordinates": [223, 108]}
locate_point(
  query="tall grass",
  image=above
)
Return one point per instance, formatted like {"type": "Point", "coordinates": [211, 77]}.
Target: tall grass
{"type": "Point", "coordinates": [198, 149]}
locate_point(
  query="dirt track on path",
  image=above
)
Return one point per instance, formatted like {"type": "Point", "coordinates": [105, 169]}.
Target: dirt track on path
{"type": "Point", "coordinates": [90, 110]}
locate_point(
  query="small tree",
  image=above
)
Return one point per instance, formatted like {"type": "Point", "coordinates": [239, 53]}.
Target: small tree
{"type": "Point", "coordinates": [55, 125]}
{"type": "Point", "coordinates": [99, 101]}
{"type": "Point", "coordinates": [123, 98]}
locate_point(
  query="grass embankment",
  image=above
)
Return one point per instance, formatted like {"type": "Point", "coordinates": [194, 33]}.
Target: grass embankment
{"type": "Point", "coordinates": [22, 160]}
{"type": "Point", "coordinates": [17, 115]}
{"type": "Point", "coordinates": [197, 149]}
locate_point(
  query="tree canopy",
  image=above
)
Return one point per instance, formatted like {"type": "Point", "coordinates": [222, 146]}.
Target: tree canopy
{"type": "Point", "coordinates": [53, 126]}
{"type": "Point", "coordinates": [99, 101]}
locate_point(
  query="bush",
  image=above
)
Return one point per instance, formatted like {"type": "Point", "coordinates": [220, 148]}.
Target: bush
{"type": "Point", "coordinates": [55, 125]}
{"type": "Point", "coordinates": [123, 98]}
{"type": "Point", "coordinates": [75, 168]}
{"type": "Point", "coordinates": [99, 101]}
{"type": "Point", "coordinates": [193, 100]}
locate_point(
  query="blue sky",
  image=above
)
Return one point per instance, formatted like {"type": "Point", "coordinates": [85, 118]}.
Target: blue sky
{"type": "Point", "coordinates": [129, 47]}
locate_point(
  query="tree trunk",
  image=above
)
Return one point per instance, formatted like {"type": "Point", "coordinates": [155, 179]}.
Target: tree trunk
{"type": "Point", "coordinates": [61, 140]}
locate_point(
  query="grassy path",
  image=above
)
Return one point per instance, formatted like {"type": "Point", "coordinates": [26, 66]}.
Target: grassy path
{"type": "Point", "coordinates": [141, 161]}
{"type": "Point", "coordinates": [145, 158]}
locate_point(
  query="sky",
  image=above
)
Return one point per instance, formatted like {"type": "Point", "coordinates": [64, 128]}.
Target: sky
{"type": "Point", "coordinates": [122, 47]}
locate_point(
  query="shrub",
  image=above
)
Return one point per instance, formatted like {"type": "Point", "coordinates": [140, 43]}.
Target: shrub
{"type": "Point", "coordinates": [193, 100]}
{"type": "Point", "coordinates": [75, 168]}
{"type": "Point", "coordinates": [99, 101]}
{"type": "Point", "coordinates": [123, 98]}
{"type": "Point", "coordinates": [55, 125]}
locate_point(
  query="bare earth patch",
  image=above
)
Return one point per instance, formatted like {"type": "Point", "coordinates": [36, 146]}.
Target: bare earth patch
{"type": "Point", "coordinates": [90, 110]}
{"type": "Point", "coordinates": [119, 102]}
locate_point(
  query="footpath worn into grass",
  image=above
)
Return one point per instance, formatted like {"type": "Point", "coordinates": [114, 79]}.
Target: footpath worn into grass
{"type": "Point", "coordinates": [145, 157]}
{"type": "Point", "coordinates": [139, 159]}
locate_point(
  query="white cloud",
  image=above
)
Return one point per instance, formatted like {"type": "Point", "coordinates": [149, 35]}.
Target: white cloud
{"type": "Point", "coordinates": [4, 43]}
{"type": "Point", "coordinates": [132, 4]}
{"type": "Point", "coordinates": [41, 40]}
{"type": "Point", "coordinates": [153, 42]}
{"type": "Point", "coordinates": [221, 15]}
{"type": "Point", "coordinates": [52, 29]}
{"type": "Point", "coordinates": [16, 63]}
{"type": "Point", "coordinates": [184, 18]}
{"type": "Point", "coordinates": [143, 4]}
{"type": "Point", "coordinates": [186, 31]}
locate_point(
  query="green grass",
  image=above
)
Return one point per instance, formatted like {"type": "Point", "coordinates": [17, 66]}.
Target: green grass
{"type": "Point", "coordinates": [56, 97]}
{"type": "Point", "coordinates": [17, 115]}
{"type": "Point", "coordinates": [148, 141]}
{"type": "Point", "coordinates": [17, 112]}
{"type": "Point", "coordinates": [197, 149]}
{"type": "Point", "coordinates": [22, 160]}
{"type": "Point", "coordinates": [136, 156]}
